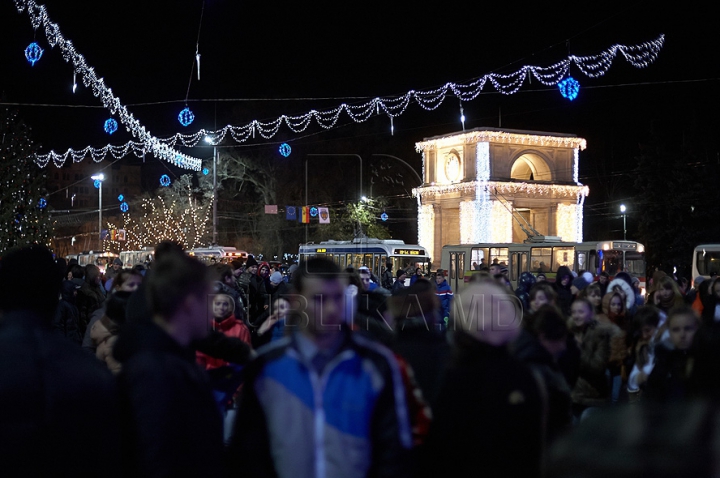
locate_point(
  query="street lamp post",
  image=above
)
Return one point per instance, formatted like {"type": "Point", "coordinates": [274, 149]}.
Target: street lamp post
{"type": "Point", "coordinates": [208, 139]}
{"type": "Point", "coordinates": [622, 210]}
{"type": "Point", "coordinates": [99, 178]}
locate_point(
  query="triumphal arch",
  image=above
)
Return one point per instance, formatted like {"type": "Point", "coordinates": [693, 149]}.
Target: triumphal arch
{"type": "Point", "coordinates": [499, 185]}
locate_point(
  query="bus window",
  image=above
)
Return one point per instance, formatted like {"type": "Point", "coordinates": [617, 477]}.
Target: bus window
{"type": "Point", "coordinates": [563, 256]}
{"type": "Point", "coordinates": [635, 263]}
{"type": "Point", "coordinates": [479, 256]}
{"type": "Point", "coordinates": [367, 260]}
{"type": "Point", "coordinates": [498, 255]}
{"type": "Point", "coordinates": [540, 259]}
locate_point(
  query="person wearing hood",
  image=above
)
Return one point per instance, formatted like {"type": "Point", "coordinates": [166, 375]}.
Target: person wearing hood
{"type": "Point", "coordinates": [622, 283]}
{"type": "Point", "coordinates": [67, 316]}
{"type": "Point", "coordinates": [254, 287]}
{"type": "Point", "coordinates": [525, 283]}
{"type": "Point", "coordinates": [563, 282]}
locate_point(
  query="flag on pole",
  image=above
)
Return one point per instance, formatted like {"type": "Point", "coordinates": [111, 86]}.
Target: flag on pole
{"type": "Point", "coordinates": [271, 209]}
{"type": "Point", "coordinates": [306, 214]}
{"type": "Point", "coordinates": [324, 215]}
{"type": "Point", "coordinates": [291, 213]}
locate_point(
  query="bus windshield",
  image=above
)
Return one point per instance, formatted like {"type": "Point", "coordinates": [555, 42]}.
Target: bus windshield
{"type": "Point", "coordinates": [612, 262]}
{"type": "Point", "coordinates": [708, 262]}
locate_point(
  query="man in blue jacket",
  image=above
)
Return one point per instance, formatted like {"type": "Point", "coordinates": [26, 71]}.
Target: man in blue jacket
{"type": "Point", "coordinates": [445, 294]}
{"type": "Point", "coordinates": [323, 401]}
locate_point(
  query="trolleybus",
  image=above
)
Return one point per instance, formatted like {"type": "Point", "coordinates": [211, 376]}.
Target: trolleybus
{"type": "Point", "coordinates": [546, 256]}
{"type": "Point", "coordinates": [373, 253]}
{"type": "Point", "coordinates": [706, 261]}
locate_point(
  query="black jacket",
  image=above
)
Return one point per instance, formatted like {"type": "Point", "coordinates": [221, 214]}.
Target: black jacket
{"type": "Point", "coordinates": [58, 405]}
{"type": "Point", "coordinates": [488, 417]}
{"type": "Point", "coordinates": [172, 425]}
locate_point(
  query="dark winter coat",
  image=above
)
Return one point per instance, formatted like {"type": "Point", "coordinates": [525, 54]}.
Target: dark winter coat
{"type": "Point", "coordinates": [593, 387]}
{"type": "Point", "coordinates": [530, 351]}
{"type": "Point", "coordinates": [669, 377]}
{"type": "Point", "coordinates": [67, 321]}
{"type": "Point", "coordinates": [58, 405]}
{"type": "Point", "coordinates": [172, 425]}
{"type": "Point", "coordinates": [488, 417]}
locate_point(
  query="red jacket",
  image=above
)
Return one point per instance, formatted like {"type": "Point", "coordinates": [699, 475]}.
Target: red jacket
{"type": "Point", "coordinates": [230, 327]}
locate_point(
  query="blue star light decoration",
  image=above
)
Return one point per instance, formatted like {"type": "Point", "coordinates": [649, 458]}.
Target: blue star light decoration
{"type": "Point", "coordinates": [164, 180]}
{"type": "Point", "coordinates": [569, 88]}
{"type": "Point", "coordinates": [384, 216]}
{"type": "Point", "coordinates": [97, 183]}
{"type": "Point", "coordinates": [33, 53]}
{"type": "Point", "coordinates": [285, 149]}
{"type": "Point", "coordinates": [110, 126]}
{"type": "Point", "coordinates": [42, 203]}
{"type": "Point", "coordinates": [121, 198]}
{"type": "Point", "coordinates": [124, 207]}
{"type": "Point", "coordinates": [205, 171]}
{"type": "Point", "coordinates": [186, 117]}
{"type": "Point", "coordinates": [313, 211]}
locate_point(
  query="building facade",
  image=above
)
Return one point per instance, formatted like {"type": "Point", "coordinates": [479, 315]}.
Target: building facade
{"type": "Point", "coordinates": [498, 185]}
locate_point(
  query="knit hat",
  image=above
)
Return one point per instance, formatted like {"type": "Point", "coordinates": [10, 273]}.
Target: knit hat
{"type": "Point", "coordinates": [588, 277]}
{"type": "Point", "coordinates": [698, 280]}
{"type": "Point", "coordinates": [251, 262]}
{"type": "Point", "coordinates": [580, 283]}
{"type": "Point", "coordinates": [401, 272]}
{"type": "Point", "coordinates": [117, 261]}
{"type": "Point", "coordinates": [276, 277]}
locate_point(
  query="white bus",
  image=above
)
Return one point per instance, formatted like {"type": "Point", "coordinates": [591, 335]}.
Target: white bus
{"type": "Point", "coordinates": [373, 253]}
{"type": "Point", "coordinates": [463, 260]}
{"type": "Point", "coordinates": [98, 258]}
{"type": "Point", "coordinates": [706, 261]}
{"type": "Point", "coordinates": [133, 258]}
{"type": "Point", "coordinates": [218, 254]}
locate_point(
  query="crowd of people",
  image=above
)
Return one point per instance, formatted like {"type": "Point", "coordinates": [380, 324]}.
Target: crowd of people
{"type": "Point", "coordinates": [184, 369]}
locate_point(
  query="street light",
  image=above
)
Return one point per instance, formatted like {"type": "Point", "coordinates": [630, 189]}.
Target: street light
{"type": "Point", "coordinates": [622, 210]}
{"type": "Point", "coordinates": [99, 178]}
{"type": "Point", "coordinates": [209, 140]}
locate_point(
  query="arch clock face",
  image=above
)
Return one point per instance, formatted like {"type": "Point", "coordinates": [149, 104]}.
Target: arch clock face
{"type": "Point", "coordinates": [452, 166]}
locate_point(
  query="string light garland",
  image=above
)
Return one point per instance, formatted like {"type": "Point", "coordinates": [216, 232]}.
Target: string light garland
{"type": "Point", "coordinates": [593, 66]}
{"type": "Point", "coordinates": [33, 53]}
{"type": "Point", "coordinates": [569, 88]}
{"type": "Point", "coordinates": [39, 18]}
{"type": "Point", "coordinates": [110, 126]}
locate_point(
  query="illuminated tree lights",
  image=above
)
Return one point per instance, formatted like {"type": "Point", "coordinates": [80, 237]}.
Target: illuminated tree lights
{"type": "Point", "coordinates": [33, 53]}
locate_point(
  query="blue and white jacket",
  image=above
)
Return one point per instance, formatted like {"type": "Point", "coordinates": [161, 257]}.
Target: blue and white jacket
{"type": "Point", "coordinates": [350, 421]}
{"type": "Point", "coordinates": [445, 294]}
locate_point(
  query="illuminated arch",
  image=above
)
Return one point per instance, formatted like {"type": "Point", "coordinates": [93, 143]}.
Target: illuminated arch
{"type": "Point", "coordinates": [531, 166]}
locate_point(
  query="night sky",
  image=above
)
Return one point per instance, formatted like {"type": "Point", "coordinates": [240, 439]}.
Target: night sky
{"type": "Point", "coordinates": [260, 60]}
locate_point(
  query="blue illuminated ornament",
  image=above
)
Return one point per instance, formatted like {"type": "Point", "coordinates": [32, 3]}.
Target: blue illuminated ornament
{"type": "Point", "coordinates": [33, 53]}
{"type": "Point", "coordinates": [285, 149]}
{"type": "Point", "coordinates": [110, 126]}
{"type": "Point", "coordinates": [313, 211]}
{"type": "Point", "coordinates": [205, 171]}
{"type": "Point", "coordinates": [384, 216]}
{"type": "Point", "coordinates": [165, 180]}
{"type": "Point", "coordinates": [124, 207]}
{"type": "Point", "coordinates": [121, 198]}
{"type": "Point", "coordinates": [42, 203]}
{"type": "Point", "coordinates": [97, 184]}
{"type": "Point", "coordinates": [569, 88]}
{"type": "Point", "coordinates": [186, 117]}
